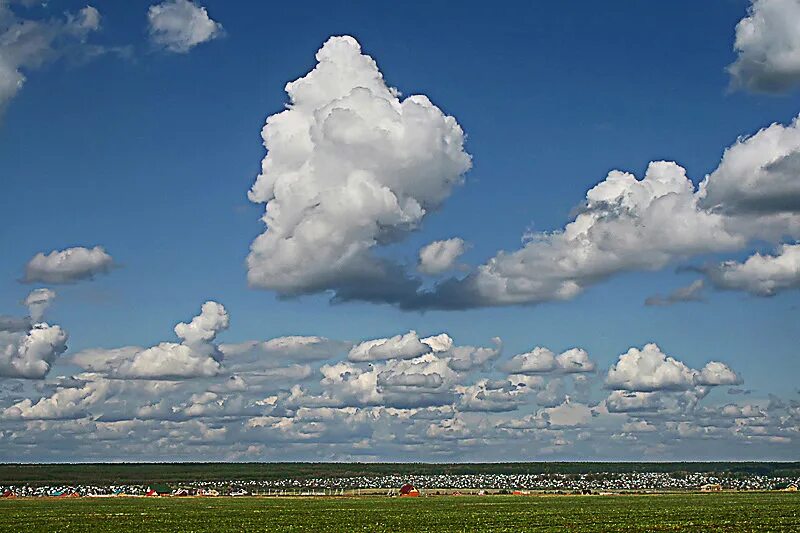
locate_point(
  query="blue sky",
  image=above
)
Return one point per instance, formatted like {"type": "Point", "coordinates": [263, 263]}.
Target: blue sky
{"type": "Point", "coordinates": [150, 154]}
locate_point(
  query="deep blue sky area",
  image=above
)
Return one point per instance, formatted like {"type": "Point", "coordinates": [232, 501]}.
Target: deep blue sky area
{"type": "Point", "coordinates": [151, 154]}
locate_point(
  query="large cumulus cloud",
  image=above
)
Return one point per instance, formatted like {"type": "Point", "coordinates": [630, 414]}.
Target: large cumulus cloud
{"type": "Point", "coordinates": [350, 166]}
{"type": "Point", "coordinates": [625, 224]}
{"type": "Point", "coordinates": [628, 224]}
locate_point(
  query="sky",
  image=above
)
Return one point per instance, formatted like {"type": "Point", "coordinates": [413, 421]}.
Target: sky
{"type": "Point", "coordinates": [368, 231]}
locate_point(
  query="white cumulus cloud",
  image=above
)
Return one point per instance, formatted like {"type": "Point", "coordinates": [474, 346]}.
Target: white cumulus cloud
{"type": "Point", "coordinates": [195, 356]}
{"type": "Point", "coordinates": [542, 360]}
{"type": "Point", "coordinates": [716, 373]}
{"type": "Point", "coordinates": [65, 403]}
{"type": "Point", "coordinates": [350, 166]}
{"type": "Point", "coordinates": [538, 360]}
{"type": "Point", "coordinates": [759, 174]}
{"type": "Point", "coordinates": [574, 361]}
{"type": "Point", "coordinates": [68, 266]}
{"type": "Point", "coordinates": [440, 256]}
{"type": "Point", "coordinates": [649, 370]}
{"type": "Point", "coordinates": [30, 354]}
{"type": "Point", "coordinates": [28, 346]}
{"type": "Point", "coordinates": [626, 224]}
{"type": "Point", "coordinates": [630, 224]}
{"type": "Point", "coordinates": [180, 25]}
{"type": "Point", "coordinates": [406, 346]}
{"type": "Point", "coordinates": [760, 275]}
{"type": "Point", "coordinates": [768, 47]}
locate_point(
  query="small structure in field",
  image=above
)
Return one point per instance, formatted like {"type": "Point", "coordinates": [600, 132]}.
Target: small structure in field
{"type": "Point", "coordinates": [409, 491]}
{"type": "Point", "coordinates": [158, 490]}
{"type": "Point", "coordinates": [711, 487]}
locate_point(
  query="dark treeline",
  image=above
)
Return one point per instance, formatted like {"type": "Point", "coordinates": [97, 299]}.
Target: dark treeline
{"type": "Point", "coordinates": [143, 473]}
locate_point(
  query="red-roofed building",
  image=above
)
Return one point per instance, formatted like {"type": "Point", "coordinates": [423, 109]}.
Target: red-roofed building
{"type": "Point", "coordinates": [409, 490]}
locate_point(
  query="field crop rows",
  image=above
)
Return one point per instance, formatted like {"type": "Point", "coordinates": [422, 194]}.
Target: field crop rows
{"type": "Point", "coordinates": [665, 512]}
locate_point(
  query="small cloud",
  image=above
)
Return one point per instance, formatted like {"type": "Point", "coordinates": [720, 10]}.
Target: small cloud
{"type": "Point", "coordinates": [68, 266]}
{"type": "Point", "coordinates": [180, 25]}
{"type": "Point", "coordinates": [440, 256]}
{"type": "Point", "coordinates": [37, 302]}
{"type": "Point", "coordinates": [689, 293]}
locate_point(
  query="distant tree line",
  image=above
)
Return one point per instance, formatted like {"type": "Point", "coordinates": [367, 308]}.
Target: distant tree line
{"type": "Point", "coordinates": [143, 473]}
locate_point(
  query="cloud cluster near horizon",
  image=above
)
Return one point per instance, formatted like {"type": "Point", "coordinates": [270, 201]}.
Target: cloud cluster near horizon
{"type": "Point", "coordinates": [308, 397]}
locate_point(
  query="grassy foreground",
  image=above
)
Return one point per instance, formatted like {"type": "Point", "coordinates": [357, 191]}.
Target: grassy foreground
{"type": "Point", "coordinates": [666, 512]}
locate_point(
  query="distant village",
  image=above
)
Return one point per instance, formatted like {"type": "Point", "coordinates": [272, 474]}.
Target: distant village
{"type": "Point", "coordinates": [424, 485]}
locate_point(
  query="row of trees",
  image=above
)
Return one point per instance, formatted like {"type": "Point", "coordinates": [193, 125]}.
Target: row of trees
{"type": "Point", "coordinates": [121, 473]}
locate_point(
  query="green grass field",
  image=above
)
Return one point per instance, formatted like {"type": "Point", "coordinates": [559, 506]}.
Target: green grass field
{"type": "Point", "coordinates": [665, 512]}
